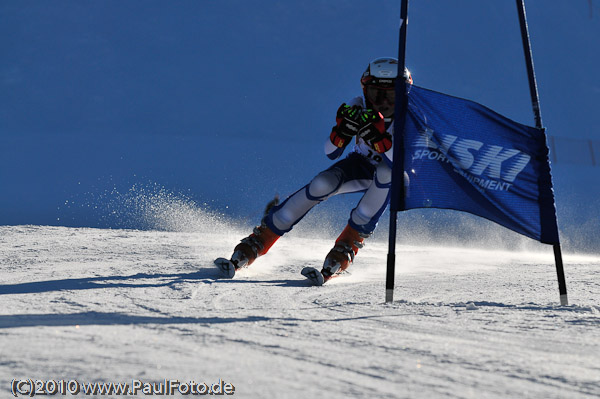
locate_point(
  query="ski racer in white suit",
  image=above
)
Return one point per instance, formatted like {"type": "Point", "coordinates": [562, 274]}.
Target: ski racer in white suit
{"type": "Point", "coordinates": [368, 122]}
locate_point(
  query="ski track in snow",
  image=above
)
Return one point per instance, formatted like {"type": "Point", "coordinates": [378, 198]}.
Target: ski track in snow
{"type": "Point", "coordinates": [117, 305]}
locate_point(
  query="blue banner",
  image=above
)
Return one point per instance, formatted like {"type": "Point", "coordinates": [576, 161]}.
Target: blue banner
{"type": "Point", "coordinates": [460, 155]}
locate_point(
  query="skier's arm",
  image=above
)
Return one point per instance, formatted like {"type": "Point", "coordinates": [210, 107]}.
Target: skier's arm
{"type": "Point", "coordinates": [347, 126]}
{"type": "Point", "coordinates": [332, 151]}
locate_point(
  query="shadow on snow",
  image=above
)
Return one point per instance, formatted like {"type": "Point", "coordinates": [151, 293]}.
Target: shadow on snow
{"type": "Point", "coordinates": [87, 283]}
{"type": "Point", "coordinates": [205, 275]}
{"type": "Point", "coordinates": [109, 319]}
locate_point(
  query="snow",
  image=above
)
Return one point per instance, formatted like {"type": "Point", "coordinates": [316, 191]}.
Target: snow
{"type": "Point", "coordinates": [101, 305]}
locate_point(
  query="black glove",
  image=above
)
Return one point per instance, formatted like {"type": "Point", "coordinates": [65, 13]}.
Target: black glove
{"type": "Point", "coordinates": [348, 124]}
{"type": "Point", "coordinates": [373, 131]}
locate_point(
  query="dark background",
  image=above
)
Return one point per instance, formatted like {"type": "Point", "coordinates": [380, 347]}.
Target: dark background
{"type": "Point", "coordinates": [223, 104]}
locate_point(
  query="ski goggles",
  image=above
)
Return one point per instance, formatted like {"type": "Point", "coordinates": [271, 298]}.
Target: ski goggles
{"type": "Point", "coordinates": [378, 94]}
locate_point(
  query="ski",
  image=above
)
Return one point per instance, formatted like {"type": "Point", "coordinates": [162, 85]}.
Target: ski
{"type": "Point", "coordinates": [226, 267]}
{"type": "Point", "coordinates": [317, 278]}
{"type": "Point", "coordinates": [313, 275]}
{"type": "Point", "coordinates": [228, 270]}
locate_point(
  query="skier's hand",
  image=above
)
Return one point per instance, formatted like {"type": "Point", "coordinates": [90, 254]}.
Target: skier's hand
{"type": "Point", "coordinates": [347, 125]}
{"type": "Point", "coordinates": [372, 125]}
{"type": "Point", "coordinates": [373, 131]}
{"type": "Point", "coordinates": [382, 142]}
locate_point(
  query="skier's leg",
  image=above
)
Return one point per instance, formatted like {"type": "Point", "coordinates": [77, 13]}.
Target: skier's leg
{"type": "Point", "coordinates": [353, 173]}
{"type": "Point", "coordinates": [279, 219]}
{"type": "Point", "coordinates": [365, 216]}
{"type": "Point", "coordinates": [362, 222]}
{"type": "Point", "coordinates": [283, 217]}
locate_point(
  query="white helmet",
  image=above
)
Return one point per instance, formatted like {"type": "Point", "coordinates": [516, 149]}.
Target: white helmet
{"type": "Point", "coordinates": [378, 84]}
{"type": "Point", "coordinates": [383, 72]}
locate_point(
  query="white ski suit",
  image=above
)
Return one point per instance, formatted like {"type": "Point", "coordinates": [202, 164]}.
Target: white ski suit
{"type": "Point", "coordinates": [363, 170]}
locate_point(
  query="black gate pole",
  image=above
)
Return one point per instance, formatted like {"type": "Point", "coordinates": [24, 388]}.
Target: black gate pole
{"type": "Point", "coordinates": [535, 102]}
{"type": "Point", "coordinates": [397, 189]}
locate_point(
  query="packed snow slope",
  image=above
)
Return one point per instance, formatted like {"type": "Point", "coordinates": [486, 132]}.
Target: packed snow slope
{"type": "Point", "coordinates": [99, 305]}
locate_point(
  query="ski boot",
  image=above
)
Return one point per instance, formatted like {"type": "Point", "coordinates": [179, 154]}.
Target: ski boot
{"type": "Point", "coordinates": [342, 254]}
{"type": "Point", "coordinates": [257, 243]}
{"type": "Point", "coordinates": [253, 246]}
{"type": "Point", "coordinates": [246, 252]}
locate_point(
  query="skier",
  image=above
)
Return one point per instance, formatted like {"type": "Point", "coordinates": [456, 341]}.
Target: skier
{"type": "Point", "coordinates": [366, 120]}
